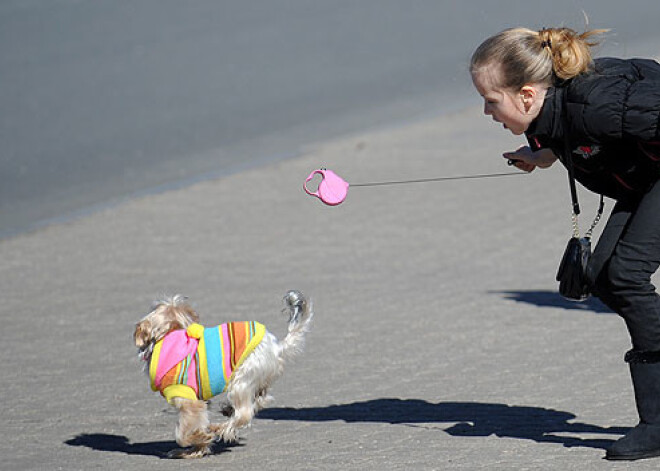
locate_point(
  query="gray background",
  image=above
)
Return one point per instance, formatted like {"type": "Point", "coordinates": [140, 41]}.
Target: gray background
{"type": "Point", "coordinates": [103, 100]}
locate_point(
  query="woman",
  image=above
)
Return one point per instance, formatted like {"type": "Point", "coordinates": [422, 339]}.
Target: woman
{"type": "Point", "coordinates": [606, 112]}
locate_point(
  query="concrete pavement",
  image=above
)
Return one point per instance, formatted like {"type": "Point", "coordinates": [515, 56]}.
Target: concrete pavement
{"type": "Point", "coordinates": [439, 340]}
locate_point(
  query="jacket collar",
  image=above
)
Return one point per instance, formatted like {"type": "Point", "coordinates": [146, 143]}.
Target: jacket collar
{"type": "Point", "coordinates": [548, 123]}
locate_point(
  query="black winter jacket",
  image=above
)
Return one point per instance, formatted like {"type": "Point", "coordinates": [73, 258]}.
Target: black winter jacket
{"type": "Point", "coordinates": [612, 125]}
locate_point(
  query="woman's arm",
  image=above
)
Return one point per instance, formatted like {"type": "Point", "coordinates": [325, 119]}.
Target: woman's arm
{"type": "Point", "coordinates": [527, 160]}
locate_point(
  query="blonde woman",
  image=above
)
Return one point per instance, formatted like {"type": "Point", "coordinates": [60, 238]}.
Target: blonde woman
{"type": "Point", "coordinates": [606, 113]}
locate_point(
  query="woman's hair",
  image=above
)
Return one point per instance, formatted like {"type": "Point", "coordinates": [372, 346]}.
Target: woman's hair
{"type": "Point", "coordinates": [526, 56]}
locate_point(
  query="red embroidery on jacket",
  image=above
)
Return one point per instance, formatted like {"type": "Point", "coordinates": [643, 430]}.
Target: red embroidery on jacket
{"type": "Point", "coordinates": [587, 151]}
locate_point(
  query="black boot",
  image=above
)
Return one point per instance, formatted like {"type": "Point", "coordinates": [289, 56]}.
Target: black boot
{"type": "Point", "coordinates": [642, 441]}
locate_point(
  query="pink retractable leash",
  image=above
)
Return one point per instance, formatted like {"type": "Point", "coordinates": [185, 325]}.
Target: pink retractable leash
{"type": "Point", "coordinates": [333, 189]}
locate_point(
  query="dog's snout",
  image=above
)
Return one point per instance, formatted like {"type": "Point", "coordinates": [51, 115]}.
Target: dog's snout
{"type": "Point", "coordinates": [141, 334]}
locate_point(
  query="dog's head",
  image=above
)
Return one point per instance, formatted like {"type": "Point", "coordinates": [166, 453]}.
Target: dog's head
{"type": "Point", "coordinates": [167, 315]}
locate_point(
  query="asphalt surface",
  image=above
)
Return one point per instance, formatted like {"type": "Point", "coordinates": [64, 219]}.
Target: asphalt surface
{"type": "Point", "coordinates": [439, 340]}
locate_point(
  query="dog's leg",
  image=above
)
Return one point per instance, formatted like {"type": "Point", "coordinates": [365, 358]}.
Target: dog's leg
{"type": "Point", "coordinates": [262, 400]}
{"type": "Point", "coordinates": [242, 398]}
{"type": "Point", "coordinates": [227, 430]}
{"type": "Point", "coordinates": [192, 431]}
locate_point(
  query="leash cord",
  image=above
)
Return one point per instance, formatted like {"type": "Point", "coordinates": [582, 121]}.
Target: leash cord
{"type": "Point", "coordinates": [428, 180]}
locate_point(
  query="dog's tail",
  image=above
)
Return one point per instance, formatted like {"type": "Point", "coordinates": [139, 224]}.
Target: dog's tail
{"type": "Point", "coordinates": [300, 314]}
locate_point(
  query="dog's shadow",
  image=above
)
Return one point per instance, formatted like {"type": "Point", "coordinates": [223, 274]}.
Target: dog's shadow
{"type": "Point", "coordinates": [121, 444]}
{"type": "Point", "coordinates": [469, 419]}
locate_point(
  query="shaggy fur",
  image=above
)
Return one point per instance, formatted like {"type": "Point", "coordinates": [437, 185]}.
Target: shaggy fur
{"type": "Point", "coordinates": [247, 391]}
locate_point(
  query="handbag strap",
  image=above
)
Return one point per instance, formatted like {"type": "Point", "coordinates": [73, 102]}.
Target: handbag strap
{"type": "Point", "coordinates": [568, 158]}
{"type": "Point", "coordinates": [601, 206]}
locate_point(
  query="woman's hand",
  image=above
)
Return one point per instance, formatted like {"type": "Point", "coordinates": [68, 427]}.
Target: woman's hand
{"type": "Point", "coordinates": [527, 160]}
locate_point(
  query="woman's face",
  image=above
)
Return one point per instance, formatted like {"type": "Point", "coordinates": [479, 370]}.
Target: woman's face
{"type": "Point", "coordinates": [515, 110]}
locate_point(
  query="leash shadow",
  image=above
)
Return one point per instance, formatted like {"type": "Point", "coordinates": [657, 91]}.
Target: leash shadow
{"type": "Point", "coordinates": [121, 444]}
{"type": "Point", "coordinates": [469, 419]}
{"type": "Point", "coordinates": [543, 298]}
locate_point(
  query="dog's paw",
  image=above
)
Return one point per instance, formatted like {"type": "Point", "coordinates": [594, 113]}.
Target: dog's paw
{"type": "Point", "coordinates": [217, 429]}
{"type": "Point", "coordinates": [176, 453]}
{"type": "Point", "coordinates": [189, 453]}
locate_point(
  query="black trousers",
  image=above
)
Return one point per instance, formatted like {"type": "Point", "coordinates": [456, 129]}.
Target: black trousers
{"type": "Point", "coordinates": [626, 256]}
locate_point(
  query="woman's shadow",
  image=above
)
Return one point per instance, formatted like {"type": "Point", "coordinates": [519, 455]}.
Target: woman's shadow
{"type": "Point", "coordinates": [468, 419]}
{"type": "Point", "coordinates": [471, 419]}
{"type": "Point", "coordinates": [543, 298]}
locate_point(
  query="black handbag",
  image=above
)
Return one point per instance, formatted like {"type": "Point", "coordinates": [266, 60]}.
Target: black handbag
{"type": "Point", "coordinates": [572, 273]}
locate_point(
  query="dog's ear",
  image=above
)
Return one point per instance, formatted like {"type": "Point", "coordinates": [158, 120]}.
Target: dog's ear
{"type": "Point", "coordinates": [142, 334]}
{"type": "Point", "coordinates": [191, 315]}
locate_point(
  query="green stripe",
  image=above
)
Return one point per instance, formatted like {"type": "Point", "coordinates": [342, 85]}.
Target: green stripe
{"type": "Point", "coordinates": [183, 374]}
{"type": "Point", "coordinates": [199, 376]}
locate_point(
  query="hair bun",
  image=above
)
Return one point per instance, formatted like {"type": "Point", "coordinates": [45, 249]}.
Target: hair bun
{"type": "Point", "coordinates": [570, 50]}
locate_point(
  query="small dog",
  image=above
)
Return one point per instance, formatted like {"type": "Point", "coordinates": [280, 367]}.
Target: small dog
{"type": "Point", "coordinates": [189, 364]}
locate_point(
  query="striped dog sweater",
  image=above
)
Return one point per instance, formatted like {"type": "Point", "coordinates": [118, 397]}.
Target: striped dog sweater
{"type": "Point", "coordinates": [199, 362]}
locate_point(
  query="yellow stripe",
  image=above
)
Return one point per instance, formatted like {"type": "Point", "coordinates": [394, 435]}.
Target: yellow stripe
{"type": "Point", "coordinates": [153, 366]}
{"type": "Point", "coordinates": [179, 390]}
{"type": "Point", "coordinates": [203, 370]}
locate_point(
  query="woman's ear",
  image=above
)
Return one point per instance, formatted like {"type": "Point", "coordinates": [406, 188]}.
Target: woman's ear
{"type": "Point", "coordinates": [528, 95]}
{"type": "Point", "coordinates": [532, 97]}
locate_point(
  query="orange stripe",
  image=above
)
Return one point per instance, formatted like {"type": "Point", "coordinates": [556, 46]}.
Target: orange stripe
{"type": "Point", "coordinates": [170, 377]}
{"type": "Point", "coordinates": [241, 338]}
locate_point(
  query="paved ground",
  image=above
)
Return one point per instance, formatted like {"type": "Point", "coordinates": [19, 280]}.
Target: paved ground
{"type": "Point", "coordinates": [439, 340]}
